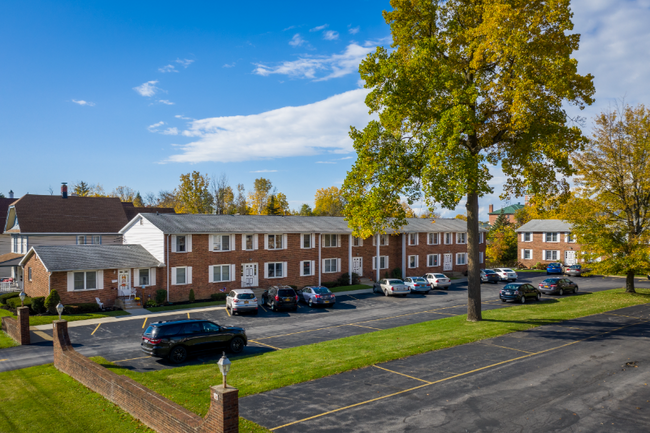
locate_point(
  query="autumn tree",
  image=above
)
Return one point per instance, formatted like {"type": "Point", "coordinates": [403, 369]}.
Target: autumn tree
{"type": "Point", "coordinates": [328, 202]}
{"type": "Point", "coordinates": [137, 201]}
{"type": "Point", "coordinates": [461, 217]}
{"type": "Point", "coordinates": [259, 197]}
{"type": "Point", "coordinates": [224, 198]}
{"type": "Point", "coordinates": [610, 214]}
{"type": "Point", "coordinates": [241, 205]}
{"type": "Point", "coordinates": [428, 213]}
{"type": "Point", "coordinates": [167, 199]}
{"type": "Point", "coordinates": [124, 193]}
{"type": "Point", "coordinates": [467, 85]}
{"type": "Point", "coordinates": [501, 246]}
{"type": "Point", "coordinates": [305, 210]}
{"type": "Point", "coordinates": [81, 189]}
{"type": "Point", "coordinates": [193, 194]}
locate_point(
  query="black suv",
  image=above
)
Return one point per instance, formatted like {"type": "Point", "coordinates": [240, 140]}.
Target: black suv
{"type": "Point", "coordinates": [175, 339]}
{"type": "Point", "coordinates": [277, 297]}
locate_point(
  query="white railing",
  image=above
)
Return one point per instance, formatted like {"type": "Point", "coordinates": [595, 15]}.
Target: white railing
{"type": "Point", "coordinates": [6, 287]}
{"type": "Point", "coordinates": [126, 292]}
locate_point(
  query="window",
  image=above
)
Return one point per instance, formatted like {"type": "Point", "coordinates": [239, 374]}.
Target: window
{"type": "Point", "coordinates": [383, 262]}
{"type": "Point", "coordinates": [181, 275]}
{"type": "Point", "coordinates": [481, 237]}
{"type": "Point", "coordinates": [461, 238]}
{"type": "Point", "coordinates": [180, 244]}
{"type": "Point", "coordinates": [81, 240]}
{"type": "Point", "coordinates": [29, 274]}
{"type": "Point", "coordinates": [306, 268]}
{"type": "Point", "coordinates": [551, 255]}
{"type": "Point", "coordinates": [330, 265]}
{"type": "Point", "coordinates": [433, 260]}
{"type": "Point", "coordinates": [143, 277]}
{"type": "Point", "coordinates": [220, 273]}
{"type": "Point", "coordinates": [526, 254]}
{"type": "Point", "coordinates": [480, 257]}
{"type": "Point", "coordinates": [461, 258]}
{"type": "Point", "coordinates": [19, 244]}
{"type": "Point", "coordinates": [413, 238]}
{"type": "Point", "coordinates": [275, 270]}
{"type": "Point", "coordinates": [447, 238]}
{"type": "Point", "coordinates": [383, 240]}
{"type": "Point", "coordinates": [330, 241]}
{"type": "Point", "coordinates": [528, 237]}
{"type": "Point", "coordinates": [221, 242]}
{"type": "Point", "coordinates": [570, 238]}
{"type": "Point", "coordinates": [551, 237]}
{"type": "Point", "coordinates": [274, 242]}
{"type": "Point", "coordinates": [85, 280]}
{"type": "Point", "coordinates": [434, 239]}
{"type": "Point", "coordinates": [357, 242]}
{"type": "Point", "coordinates": [306, 240]}
{"type": "Point", "coordinates": [97, 240]}
{"type": "Point", "coordinates": [249, 242]}
{"type": "Point", "coordinates": [413, 261]}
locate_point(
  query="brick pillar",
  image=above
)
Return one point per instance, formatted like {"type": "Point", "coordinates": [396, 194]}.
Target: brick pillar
{"type": "Point", "coordinates": [61, 339]}
{"type": "Point", "coordinates": [23, 325]}
{"type": "Point", "coordinates": [223, 416]}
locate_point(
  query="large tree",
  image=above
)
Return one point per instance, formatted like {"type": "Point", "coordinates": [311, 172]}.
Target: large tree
{"type": "Point", "coordinates": [259, 197]}
{"type": "Point", "coordinates": [193, 194]}
{"type": "Point", "coordinates": [328, 202]}
{"type": "Point", "coordinates": [610, 214]}
{"type": "Point", "coordinates": [468, 85]}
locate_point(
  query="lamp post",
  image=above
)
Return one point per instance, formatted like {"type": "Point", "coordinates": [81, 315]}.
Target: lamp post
{"type": "Point", "coordinates": [22, 298]}
{"type": "Point", "coordinates": [59, 309]}
{"type": "Point", "coordinates": [224, 366]}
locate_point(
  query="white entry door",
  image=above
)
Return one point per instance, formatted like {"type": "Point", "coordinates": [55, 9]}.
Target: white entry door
{"type": "Point", "coordinates": [250, 278]}
{"type": "Point", "coordinates": [447, 263]}
{"type": "Point", "coordinates": [124, 282]}
{"type": "Point", "coordinates": [357, 265]}
{"type": "Point", "coordinates": [569, 258]}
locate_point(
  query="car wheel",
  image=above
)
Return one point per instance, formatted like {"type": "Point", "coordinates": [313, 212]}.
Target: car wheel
{"type": "Point", "coordinates": [523, 299]}
{"type": "Point", "coordinates": [178, 354]}
{"type": "Point", "coordinates": [503, 300]}
{"type": "Point", "coordinates": [561, 292]}
{"type": "Point", "coordinates": [311, 303]}
{"type": "Point", "coordinates": [385, 292]}
{"type": "Point", "coordinates": [236, 345]}
{"type": "Point", "coordinates": [539, 296]}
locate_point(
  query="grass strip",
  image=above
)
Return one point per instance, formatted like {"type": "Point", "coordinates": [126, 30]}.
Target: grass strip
{"type": "Point", "coordinates": [6, 341]}
{"type": "Point", "coordinates": [185, 306]}
{"type": "Point", "coordinates": [188, 385]}
{"type": "Point", "coordinates": [46, 320]}
{"type": "Point", "coordinates": [350, 288]}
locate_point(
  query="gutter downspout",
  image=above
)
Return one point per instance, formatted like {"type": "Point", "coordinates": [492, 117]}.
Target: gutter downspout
{"type": "Point", "coordinates": [350, 257]}
{"type": "Point", "coordinates": [319, 261]}
{"type": "Point", "coordinates": [404, 255]}
{"type": "Point", "coordinates": [378, 261]}
{"type": "Point", "coordinates": [168, 241]}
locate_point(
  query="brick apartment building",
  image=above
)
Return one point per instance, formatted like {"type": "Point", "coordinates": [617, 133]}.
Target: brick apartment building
{"type": "Point", "coordinates": [508, 212]}
{"type": "Point", "coordinates": [546, 241]}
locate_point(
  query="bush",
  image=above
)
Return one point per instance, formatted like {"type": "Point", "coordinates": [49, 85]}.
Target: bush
{"type": "Point", "coordinates": [161, 296]}
{"type": "Point", "coordinates": [192, 297]}
{"type": "Point", "coordinates": [6, 296]}
{"type": "Point", "coordinates": [52, 301]}
{"type": "Point", "coordinates": [330, 284]}
{"type": "Point", "coordinates": [150, 303]}
{"type": "Point", "coordinates": [344, 279]}
{"type": "Point", "coordinates": [396, 273]}
{"type": "Point", "coordinates": [91, 307]}
{"type": "Point", "coordinates": [218, 296]}
{"type": "Point", "coordinates": [14, 303]}
{"type": "Point", "coordinates": [38, 304]}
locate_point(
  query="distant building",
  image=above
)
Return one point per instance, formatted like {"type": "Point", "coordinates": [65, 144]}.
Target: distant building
{"type": "Point", "coordinates": [508, 212]}
{"type": "Point", "coordinates": [547, 241]}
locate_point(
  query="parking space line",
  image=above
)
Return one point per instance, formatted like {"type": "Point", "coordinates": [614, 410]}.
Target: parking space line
{"type": "Point", "coordinates": [3, 360]}
{"type": "Point", "coordinates": [188, 314]}
{"type": "Point", "coordinates": [402, 374]}
{"type": "Point", "coordinates": [43, 335]}
{"type": "Point", "coordinates": [353, 297]}
{"type": "Point", "coordinates": [131, 359]}
{"type": "Point", "coordinates": [369, 327]}
{"type": "Point", "coordinates": [96, 328]}
{"type": "Point", "coordinates": [227, 312]}
{"type": "Point", "coordinates": [511, 348]}
{"type": "Point", "coordinates": [262, 344]}
{"type": "Point", "coordinates": [144, 323]}
{"type": "Point", "coordinates": [261, 306]}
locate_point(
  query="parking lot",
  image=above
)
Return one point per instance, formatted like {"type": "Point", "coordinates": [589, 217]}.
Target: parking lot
{"type": "Point", "coordinates": [358, 313]}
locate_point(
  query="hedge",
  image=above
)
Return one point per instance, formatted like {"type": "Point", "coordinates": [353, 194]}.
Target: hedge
{"type": "Point", "coordinates": [90, 307]}
{"type": "Point", "coordinates": [14, 303]}
{"type": "Point", "coordinates": [6, 296]}
{"type": "Point", "coordinates": [218, 296]}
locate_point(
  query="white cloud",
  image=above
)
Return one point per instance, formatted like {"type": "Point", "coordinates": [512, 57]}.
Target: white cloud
{"type": "Point", "coordinates": [319, 28]}
{"type": "Point", "coordinates": [147, 89]}
{"type": "Point", "coordinates": [185, 62]}
{"type": "Point", "coordinates": [168, 68]}
{"type": "Point", "coordinates": [264, 171]}
{"type": "Point", "coordinates": [82, 102]}
{"type": "Point", "coordinates": [296, 41]}
{"type": "Point", "coordinates": [171, 131]}
{"type": "Point", "coordinates": [347, 157]}
{"type": "Point", "coordinates": [155, 126]}
{"type": "Point", "coordinates": [313, 129]}
{"type": "Point", "coordinates": [330, 35]}
{"type": "Point", "coordinates": [353, 30]}
{"type": "Point", "coordinates": [325, 162]}
{"type": "Point", "coordinates": [165, 101]}
{"type": "Point", "coordinates": [229, 65]}
{"type": "Point", "coordinates": [289, 28]}
{"type": "Point", "coordinates": [180, 116]}
{"type": "Point", "coordinates": [336, 65]}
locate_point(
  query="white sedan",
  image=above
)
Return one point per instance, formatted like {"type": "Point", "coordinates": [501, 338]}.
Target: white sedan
{"type": "Point", "coordinates": [438, 281]}
{"type": "Point", "coordinates": [506, 274]}
{"type": "Point", "coordinates": [391, 287]}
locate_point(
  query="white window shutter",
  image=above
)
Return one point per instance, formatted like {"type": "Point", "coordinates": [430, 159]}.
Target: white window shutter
{"type": "Point", "coordinates": [566, 237]}
{"type": "Point", "coordinates": [210, 274]}
{"type": "Point", "coordinates": [266, 270]}
{"type": "Point", "coordinates": [360, 242]}
{"type": "Point", "coordinates": [323, 265]}
{"type": "Point", "coordinates": [100, 279]}
{"type": "Point", "coordinates": [232, 242]}
{"type": "Point", "coordinates": [136, 277]}
{"type": "Point", "coordinates": [173, 276]}
{"type": "Point", "coordinates": [285, 273]}
{"type": "Point", "coordinates": [374, 262]}
{"type": "Point", "coordinates": [338, 265]}
{"type": "Point", "coordinates": [543, 254]}
{"type": "Point", "coordinates": [387, 239]}
{"type": "Point", "coordinates": [285, 238]}
{"type": "Point", "coordinates": [374, 240]}
{"type": "Point", "coordinates": [211, 243]}
{"type": "Point", "coordinates": [302, 269]}
{"type": "Point", "coordinates": [243, 241]}
{"type": "Point", "coordinates": [338, 240]}
{"type": "Point", "coordinates": [312, 268]}
{"type": "Point", "coordinates": [70, 281]}
{"type": "Point", "coordinates": [313, 240]}
{"type": "Point", "coordinates": [255, 241]}
{"type": "Point", "coordinates": [173, 243]}
{"type": "Point", "coordinates": [232, 273]}
{"type": "Point", "coordinates": [544, 237]}
{"type": "Point", "coordinates": [523, 252]}
{"type": "Point", "coordinates": [152, 276]}
{"type": "Point", "coordinates": [189, 275]}
{"type": "Point", "coordinates": [266, 241]}
{"type": "Point", "coordinates": [387, 267]}
{"type": "Point", "coordinates": [189, 243]}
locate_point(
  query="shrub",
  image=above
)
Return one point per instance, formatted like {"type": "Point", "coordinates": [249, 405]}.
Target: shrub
{"type": "Point", "coordinates": [6, 296]}
{"type": "Point", "coordinates": [38, 304]}
{"type": "Point", "coordinates": [192, 297]}
{"type": "Point", "coordinates": [52, 301]}
{"type": "Point", "coordinates": [330, 284]}
{"type": "Point", "coordinates": [218, 296]}
{"type": "Point", "coordinates": [150, 303]}
{"type": "Point", "coordinates": [161, 296]}
{"type": "Point", "coordinates": [15, 302]}
{"type": "Point", "coordinates": [396, 273]}
{"type": "Point", "coordinates": [91, 307]}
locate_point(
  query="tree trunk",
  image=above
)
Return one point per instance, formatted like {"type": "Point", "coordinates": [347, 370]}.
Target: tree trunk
{"type": "Point", "coordinates": [629, 282]}
{"type": "Point", "coordinates": [473, 266]}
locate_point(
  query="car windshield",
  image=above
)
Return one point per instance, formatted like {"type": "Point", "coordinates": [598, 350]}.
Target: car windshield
{"type": "Point", "coordinates": [576, 266]}
{"type": "Point", "coordinates": [511, 287]}
{"type": "Point", "coordinates": [551, 280]}
{"type": "Point", "coordinates": [321, 290]}
{"type": "Point", "coordinates": [489, 271]}
{"type": "Point", "coordinates": [286, 292]}
{"type": "Point", "coordinates": [395, 282]}
{"type": "Point", "coordinates": [419, 280]}
{"type": "Point", "coordinates": [245, 296]}
{"type": "Point", "coordinates": [439, 275]}
{"type": "Point", "coordinates": [507, 270]}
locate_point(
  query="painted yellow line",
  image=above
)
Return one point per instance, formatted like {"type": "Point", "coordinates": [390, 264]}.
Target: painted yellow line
{"type": "Point", "coordinates": [262, 344]}
{"type": "Point", "coordinates": [226, 312]}
{"type": "Point", "coordinates": [43, 335]}
{"type": "Point", "coordinates": [144, 323]}
{"type": "Point", "coordinates": [96, 328]}
{"type": "Point", "coordinates": [132, 359]}
{"type": "Point", "coordinates": [262, 307]}
{"type": "Point", "coordinates": [352, 297]}
{"type": "Point", "coordinates": [2, 360]}
{"type": "Point", "coordinates": [505, 347]}
{"type": "Point", "coordinates": [402, 374]}
{"type": "Point", "coordinates": [188, 315]}
{"type": "Point", "coordinates": [368, 327]}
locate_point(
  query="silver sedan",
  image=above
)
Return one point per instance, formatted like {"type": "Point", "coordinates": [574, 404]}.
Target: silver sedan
{"type": "Point", "coordinates": [317, 295]}
{"type": "Point", "coordinates": [417, 284]}
{"type": "Point", "coordinates": [391, 287]}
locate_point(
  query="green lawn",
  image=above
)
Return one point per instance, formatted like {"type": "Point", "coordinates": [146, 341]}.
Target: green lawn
{"type": "Point", "coordinates": [255, 374]}
{"type": "Point", "coordinates": [185, 306]}
{"type": "Point", "coordinates": [350, 288]}
{"type": "Point", "coordinates": [44, 320]}
{"type": "Point", "coordinates": [6, 341]}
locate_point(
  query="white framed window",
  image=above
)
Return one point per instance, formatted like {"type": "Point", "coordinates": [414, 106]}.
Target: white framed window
{"type": "Point", "coordinates": [480, 257]}
{"type": "Point", "coordinates": [481, 237]}
{"type": "Point", "coordinates": [357, 242]}
{"type": "Point", "coordinates": [551, 255]}
{"type": "Point", "coordinates": [29, 274]}
{"type": "Point", "coordinates": [307, 268]}
{"type": "Point", "coordinates": [181, 275]}
{"type": "Point", "coordinates": [383, 240]}
{"type": "Point", "coordinates": [144, 276]}
{"type": "Point", "coordinates": [433, 260]}
{"type": "Point", "coordinates": [413, 261]}
{"type": "Point", "coordinates": [433, 239]}
{"type": "Point", "coordinates": [19, 244]}
{"type": "Point", "coordinates": [181, 243]}
{"type": "Point", "coordinates": [331, 265]}
{"type": "Point", "coordinates": [249, 242]}
{"type": "Point", "coordinates": [85, 280]}
{"type": "Point", "coordinates": [331, 241]}
{"type": "Point", "coordinates": [461, 259]}
{"type": "Point", "coordinates": [275, 270]}
{"type": "Point", "coordinates": [527, 237]}
{"type": "Point", "coordinates": [221, 273]}
{"type": "Point", "coordinates": [552, 237]}
{"type": "Point", "coordinates": [97, 240]}
{"type": "Point", "coordinates": [81, 239]}
{"type": "Point", "coordinates": [223, 242]}
{"type": "Point", "coordinates": [275, 242]}
{"type": "Point", "coordinates": [448, 239]}
{"type": "Point", "coordinates": [413, 238]}
{"type": "Point", "coordinates": [526, 254]}
{"type": "Point", "coordinates": [570, 238]}
{"type": "Point", "coordinates": [383, 262]}
{"type": "Point", "coordinates": [461, 238]}
{"type": "Point", "coordinates": [306, 241]}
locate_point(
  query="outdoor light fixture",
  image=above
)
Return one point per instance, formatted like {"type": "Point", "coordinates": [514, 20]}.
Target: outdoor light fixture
{"type": "Point", "coordinates": [59, 309]}
{"type": "Point", "coordinates": [224, 366]}
{"type": "Point", "coordinates": [22, 298]}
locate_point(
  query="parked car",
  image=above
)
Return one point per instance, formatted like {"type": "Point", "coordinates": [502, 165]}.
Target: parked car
{"type": "Point", "coordinates": [438, 281]}
{"type": "Point", "coordinates": [506, 274]}
{"type": "Point", "coordinates": [554, 268]}
{"type": "Point", "coordinates": [558, 285]}
{"type": "Point", "coordinates": [489, 276]}
{"type": "Point", "coordinates": [278, 297]}
{"type": "Point", "coordinates": [574, 271]}
{"type": "Point", "coordinates": [316, 295]}
{"type": "Point", "coordinates": [391, 287]}
{"type": "Point", "coordinates": [175, 339]}
{"type": "Point", "coordinates": [241, 300]}
{"type": "Point", "coordinates": [519, 292]}
{"type": "Point", "coordinates": [417, 284]}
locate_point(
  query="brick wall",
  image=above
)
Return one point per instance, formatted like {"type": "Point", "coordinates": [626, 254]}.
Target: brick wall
{"type": "Point", "coordinates": [108, 295]}
{"type": "Point", "coordinates": [153, 410]}
{"type": "Point", "coordinates": [538, 246]}
{"type": "Point", "coordinates": [18, 328]}
{"type": "Point", "coordinates": [38, 285]}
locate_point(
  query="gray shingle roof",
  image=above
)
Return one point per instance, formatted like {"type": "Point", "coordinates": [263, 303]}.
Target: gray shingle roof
{"type": "Point", "coordinates": [198, 223]}
{"type": "Point", "coordinates": [80, 257]}
{"type": "Point", "coordinates": [545, 226]}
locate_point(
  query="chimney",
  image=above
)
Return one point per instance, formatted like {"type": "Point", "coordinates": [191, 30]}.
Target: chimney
{"type": "Point", "coordinates": [64, 189]}
{"type": "Point", "coordinates": [491, 208]}
{"type": "Point", "coordinates": [11, 194]}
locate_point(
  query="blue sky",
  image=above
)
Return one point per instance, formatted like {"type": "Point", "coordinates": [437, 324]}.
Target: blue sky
{"type": "Point", "coordinates": [138, 93]}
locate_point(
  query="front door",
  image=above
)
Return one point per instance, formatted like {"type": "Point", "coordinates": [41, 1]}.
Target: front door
{"type": "Point", "coordinates": [569, 258]}
{"type": "Point", "coordinates": [357, 265]}
{"type": "Point", "coordinates": [124, 282]}
{"type": "Point", "coordinates": [447, 264]}
{"type": "Point", "coordinates": [250, 277]}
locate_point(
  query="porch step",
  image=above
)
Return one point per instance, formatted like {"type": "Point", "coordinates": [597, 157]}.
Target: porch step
{"type": "Point", "coordinates": [128, 304]}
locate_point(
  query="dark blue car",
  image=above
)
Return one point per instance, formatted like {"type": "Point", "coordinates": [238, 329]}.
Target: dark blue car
{"type": "Point", "coordinates": [554, 268]}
